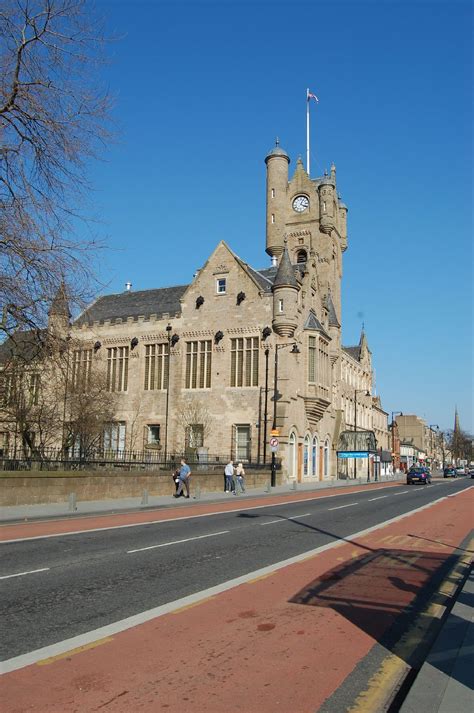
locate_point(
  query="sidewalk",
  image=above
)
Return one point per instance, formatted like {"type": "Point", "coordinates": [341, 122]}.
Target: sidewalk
{"type": "Point", "coordinates": [72, 508]}
{"type": "Point", "coordinates": [446, 679]}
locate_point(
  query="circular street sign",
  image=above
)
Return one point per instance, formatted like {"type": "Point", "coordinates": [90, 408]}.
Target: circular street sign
{"type": "Point", "coordinates": [274, 442]}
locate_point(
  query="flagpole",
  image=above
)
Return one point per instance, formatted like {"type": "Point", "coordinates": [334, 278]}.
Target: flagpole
{"type": "Point", "coordinates": [307, 131]}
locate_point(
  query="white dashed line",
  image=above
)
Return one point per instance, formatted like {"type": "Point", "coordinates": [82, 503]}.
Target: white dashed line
{"type": "Point", "coordinates": [379, 498]}
{"type": "Point", "coordinates": [339, 507]}
{"type": "Point", "coordinates": [284, 519]}
{"type": "Point", "coordinates": [21, 574]}
{"type": "Point", "coordinates": [178, 542]}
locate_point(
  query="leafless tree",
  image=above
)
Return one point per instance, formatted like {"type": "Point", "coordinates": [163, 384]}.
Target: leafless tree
{"type": "Point", "coordinates": [195, 422]}
{"type": "Point", "coordinates": [53, 119]}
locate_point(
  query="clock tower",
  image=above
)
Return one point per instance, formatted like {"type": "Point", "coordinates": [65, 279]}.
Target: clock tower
{"type": "Point", "coordinates": [308, 216]}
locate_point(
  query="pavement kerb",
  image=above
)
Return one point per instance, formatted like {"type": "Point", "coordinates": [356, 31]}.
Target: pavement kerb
{"type": "Point", "coordinates": [437, 686]}
{"type": "Point", "coordinates": [21, 513]}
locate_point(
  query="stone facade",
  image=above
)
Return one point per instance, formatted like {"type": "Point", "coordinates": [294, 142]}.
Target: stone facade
{"type": "Point", "coordinates": [217, 342]}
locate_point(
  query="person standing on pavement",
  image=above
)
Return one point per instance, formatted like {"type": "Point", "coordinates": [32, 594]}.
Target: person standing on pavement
{"type": "Point", "coordinates": [184, 475]}
{"type": "Point", "coordinates": [240, 477]}
{"type": "Point", "coordinates": [229, 477]}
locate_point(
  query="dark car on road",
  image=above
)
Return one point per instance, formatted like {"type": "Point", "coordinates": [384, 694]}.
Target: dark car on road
{"type": "Point", "coordinates": [419, 475]}
{"type": "Point", "coordinates": [450, 473]}
{"type": "Point", "coordinates": [471, 472]}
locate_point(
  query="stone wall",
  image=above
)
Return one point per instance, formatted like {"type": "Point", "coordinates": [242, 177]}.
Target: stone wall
{"type": "Point", "coordinates": [33, 489]}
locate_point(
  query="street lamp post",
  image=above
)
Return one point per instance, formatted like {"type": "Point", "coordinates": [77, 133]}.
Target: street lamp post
{"type": "Point", "coordinates": [294, 350]}
{"type": "Point", "coordinates": [394, 413]}
{"type": "Point", "coordinates": [367, 393]}
{"type": "Point", "coordinates": [432, 426]}
{"type": "Point", "coordinates": [172, 340]}
{"type": "Point", "coordinates": [265, 417]}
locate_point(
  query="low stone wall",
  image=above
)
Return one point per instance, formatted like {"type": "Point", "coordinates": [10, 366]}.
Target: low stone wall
{"type": "Point", "coordinates": [55, 487]}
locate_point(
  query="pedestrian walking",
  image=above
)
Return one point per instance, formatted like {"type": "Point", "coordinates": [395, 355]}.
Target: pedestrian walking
{"type": "Point", "coordinates": [240, 477]}
{"type": "Point", "coordinates": [183, 477]}
{"type": "Point", "coordinates": [229, 477]}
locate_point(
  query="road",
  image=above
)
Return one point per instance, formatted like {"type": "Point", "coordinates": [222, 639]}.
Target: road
{"type": "Point", "coordinates": [55, 588]}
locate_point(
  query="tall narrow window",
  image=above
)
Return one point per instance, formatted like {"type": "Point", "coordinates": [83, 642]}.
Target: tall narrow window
{"type": "Point", "coordinates": [221, 286]}
{"type": "Point", "coordinates": [273, 217]}
{"type": "Point", "coordinates": [273, 193]}
{"type": "Point", "coordinates": [156, 367]}
{"type": "Point", "coordinates": [244, 355]}
{"type": "Point", "coordinates": [34, 388]}
{"type": "Point", "coordinates": [306, 456]}
{"type": "Point", "coordinates": [81, 369]}
{"type": "Point", "coordinates": [280, 305]}
{"type": "Point", "coordinates": [198, 364]}
{"type": "Point", "coordinates": [312, 360]}
{"type": "Point", "coordinates": [117, 369]}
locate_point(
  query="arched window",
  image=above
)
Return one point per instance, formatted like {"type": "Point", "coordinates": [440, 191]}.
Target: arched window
{"type": "Point", "coordinates": [292, 455]}
{"type": "Point", "coordinates": [326, 458]}
{"type": "Point", "coordinates": [301, 256]}
{"type": "Point", "coordinates": [314, 457]}
{"type": "Point", "coordinates": [306, 456]}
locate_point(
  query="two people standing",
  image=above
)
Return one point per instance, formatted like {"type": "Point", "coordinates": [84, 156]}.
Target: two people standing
{"type": "Point", "coordinates": [234, 478]}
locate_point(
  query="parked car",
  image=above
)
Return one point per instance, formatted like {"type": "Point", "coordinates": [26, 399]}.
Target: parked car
{"type": "Point", "coordinates": [450, 473]}
{"type": "Point", "coordinates": [471, 472]}
{"type": "Point", "coordinates": [419, 475]}
{"type": "Point", "coordinates": [461, 470]}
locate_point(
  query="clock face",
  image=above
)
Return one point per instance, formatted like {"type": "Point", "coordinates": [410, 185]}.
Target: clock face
{"type": "Point", "coordinates": [300, 204]}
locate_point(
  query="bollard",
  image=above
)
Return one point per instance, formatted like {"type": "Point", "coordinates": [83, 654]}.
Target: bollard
{"type": "Point", "coordinates": [294, 485]}
{"type": "Point", "coordinates": [144, 497]}
{"type": "Point", "coordinates": [268, 487]}
{"type": "Point", "coordinates": [198, 493]}
{"type": "Point", "coordinates": [72, 502]}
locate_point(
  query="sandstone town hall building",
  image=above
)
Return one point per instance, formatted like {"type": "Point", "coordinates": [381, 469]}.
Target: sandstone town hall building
{"type": "Point", "coordinates": [210, 347]}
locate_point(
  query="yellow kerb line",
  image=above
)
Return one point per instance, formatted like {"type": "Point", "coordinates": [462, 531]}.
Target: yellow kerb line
{"type": "Point", "coordinates": [191, 606]}
{"type": "Point", "coordinates": [73, 652]}
{"type": "Point", "coordinates": [393, 668]}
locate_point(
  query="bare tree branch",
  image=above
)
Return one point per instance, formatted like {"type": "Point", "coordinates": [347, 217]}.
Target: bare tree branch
{"type": "Point", "coordinates": [53, 119]}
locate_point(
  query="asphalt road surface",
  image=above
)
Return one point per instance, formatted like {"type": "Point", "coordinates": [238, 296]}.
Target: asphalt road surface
{"type": "Point", "coordinates": [54, 588]}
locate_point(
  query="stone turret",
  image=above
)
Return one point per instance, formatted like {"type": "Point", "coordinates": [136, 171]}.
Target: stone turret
{"type": "Point", "coordinates": [327, 191]}
{"type": "Point", "coordinates": [59, 315]}
{"type": "Point", "coordinates": [285, 297]}
{"type": "Point", "coordinates": [277, 162]}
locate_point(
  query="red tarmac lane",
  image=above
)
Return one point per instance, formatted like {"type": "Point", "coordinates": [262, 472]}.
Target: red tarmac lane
{"type": "Point", "coordinates": [284, 642]}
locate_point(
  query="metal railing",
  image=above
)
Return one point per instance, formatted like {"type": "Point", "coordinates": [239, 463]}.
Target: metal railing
{"type": "Point", "coordinates": [100, 459]}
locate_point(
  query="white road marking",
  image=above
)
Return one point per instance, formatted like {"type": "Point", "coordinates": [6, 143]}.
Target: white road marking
{"type": "Point", "coordinates": [403, 492]}
{"type": "Point", "coordinates": [171, 519]}
{"type": "Point", "coordinates": [178, 542]}
{"type": "Point", "coordinates": [339, 507]}
{"type": "Point", "coordinates": [379, 498]}
{"type": "Point", "coordinates": [116, 627]}
{"type": "Point", "coordinates": [453, 495]}
{"type": "Point", "coordinates": [284, 519]}
{"type": "Point", "coordinates": [21, 574]}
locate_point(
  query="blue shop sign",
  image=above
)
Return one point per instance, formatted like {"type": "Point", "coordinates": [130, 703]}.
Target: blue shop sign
{"type": "Point", "coordinates": [352, 454]}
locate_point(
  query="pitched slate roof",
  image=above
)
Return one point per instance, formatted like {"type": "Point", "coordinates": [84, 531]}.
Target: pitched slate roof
{"type": "Point", "coordinates": [312, 322]}
{"type": "Point", "coordinates": [353, 352]}
{"type": "Point", "coordinates": [269, 273]}
{"type": "Point", "coordinates": [23, 345]}
{"type": "Point", "coordinates": [332, 317]}
{"type": "Point", "coordinates": [286, 272]}
{"type": "Point", "coordinates": [165, 300]}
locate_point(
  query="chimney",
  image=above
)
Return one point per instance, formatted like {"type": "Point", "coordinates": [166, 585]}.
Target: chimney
{"type": "Point", "coordinates": [128, 286]}
{"type": "Point", "coordinates": [274, 261]}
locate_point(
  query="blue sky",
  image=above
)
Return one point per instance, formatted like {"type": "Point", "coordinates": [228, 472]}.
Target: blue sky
{"type": "Point", "coordinates": [202, 90]}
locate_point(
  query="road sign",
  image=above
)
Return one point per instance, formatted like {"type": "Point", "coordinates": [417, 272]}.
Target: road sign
{"type": "Point", "coordinates": [274, 444]}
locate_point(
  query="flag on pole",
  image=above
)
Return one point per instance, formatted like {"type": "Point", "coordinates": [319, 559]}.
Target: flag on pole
{"type": "Point", "coordinates": [312, 96]}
